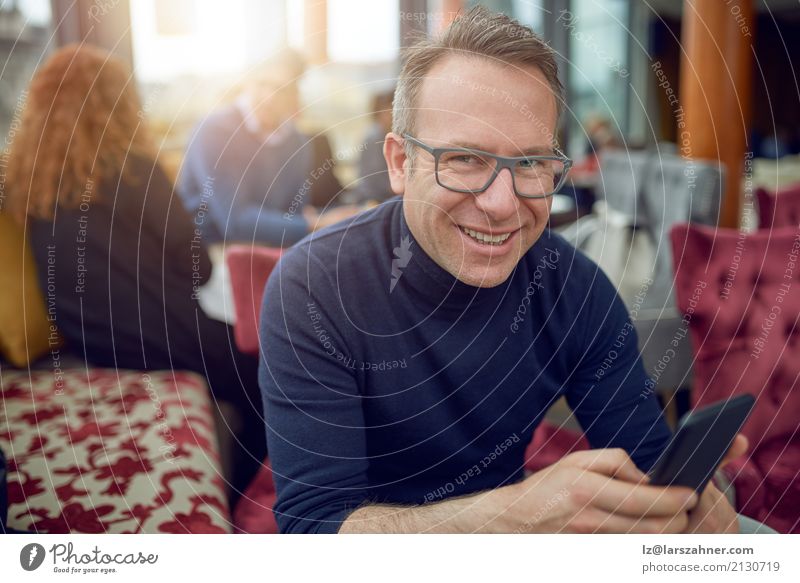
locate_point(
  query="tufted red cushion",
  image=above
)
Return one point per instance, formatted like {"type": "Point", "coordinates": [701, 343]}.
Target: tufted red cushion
{"type": "Point", "coordinates": [740, 296]}
{"type": "Point", "coordinates": [111, 451]}
{"type": "Point", "coordinates": [779, 209]}
{"type": "Point", "coordinates": [249, 269]}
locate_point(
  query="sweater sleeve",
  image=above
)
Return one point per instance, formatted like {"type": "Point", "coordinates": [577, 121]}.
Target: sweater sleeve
{"type": "Point", "coordinates": [208, 179]}
{"type": "Point", "coordinates": [313, 409]}
{"type": "Point", "coordinates": [610, 393]}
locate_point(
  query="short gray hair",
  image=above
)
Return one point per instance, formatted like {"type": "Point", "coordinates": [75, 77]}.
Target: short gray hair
{"type": "Point", "coordinates": [477, 32]}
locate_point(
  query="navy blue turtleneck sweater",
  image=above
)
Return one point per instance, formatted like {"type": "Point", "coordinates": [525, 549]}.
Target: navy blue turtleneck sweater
{"type": "Point", "coordinates": [387, 380]}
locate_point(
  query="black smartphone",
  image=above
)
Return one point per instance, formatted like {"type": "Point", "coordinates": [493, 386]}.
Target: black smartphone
{"type": "Point", "coordinates": [701, 441]}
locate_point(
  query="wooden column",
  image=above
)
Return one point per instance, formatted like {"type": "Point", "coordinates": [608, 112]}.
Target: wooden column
{"type": "Point", "coordinates": [715, 89]}
{"type": "Point", "coordinates": [103, 24]}
{"type": "Point", "coordinates": [316, 31]}
{"type": "Point", "coordinates": [450, 9]}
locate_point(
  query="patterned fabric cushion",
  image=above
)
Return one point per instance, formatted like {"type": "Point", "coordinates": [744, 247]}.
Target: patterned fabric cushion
{"type": "Point", "coordinates": [96, 450]}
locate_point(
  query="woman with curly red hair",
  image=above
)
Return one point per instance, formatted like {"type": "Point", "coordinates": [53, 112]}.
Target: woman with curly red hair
{"type": "Point", "coordinates": [118, 257]}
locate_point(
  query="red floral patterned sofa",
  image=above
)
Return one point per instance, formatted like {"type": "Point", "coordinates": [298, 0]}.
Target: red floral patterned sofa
{"type": "Point", "coordinates": [99, 450]}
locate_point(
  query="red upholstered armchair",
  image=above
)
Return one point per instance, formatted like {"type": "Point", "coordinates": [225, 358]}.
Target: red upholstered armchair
{"type": "Point", "coordinates": [779, 209]}
{"type": "Point", "coordinates": [250, 268]}
{"type": "Point", "coordinates": [740, 295]}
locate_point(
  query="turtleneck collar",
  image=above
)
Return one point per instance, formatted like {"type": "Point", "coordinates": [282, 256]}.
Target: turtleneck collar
{"type": "Point", "coordinates": [425, 278]}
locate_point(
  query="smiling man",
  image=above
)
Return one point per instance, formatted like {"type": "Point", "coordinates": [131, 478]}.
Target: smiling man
{"type": "Point", "coordinates": [411, 352]}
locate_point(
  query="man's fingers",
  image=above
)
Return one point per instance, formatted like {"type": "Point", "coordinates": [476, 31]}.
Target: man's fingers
{"type": "Point", "coordinates": [614, 463]}
{"type": "Point", "coordinates": [635, 500]}
{"type": "Point", "coordinates": [738, 448]}
{"type": "Point", "coordinates": [713, 513]}
{"type": "Point", "coordinates": [598, 521]}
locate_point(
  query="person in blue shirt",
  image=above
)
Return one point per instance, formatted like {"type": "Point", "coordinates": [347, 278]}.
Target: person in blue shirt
{"type": "Point", "coordinates": [410, 352]}
{"type": "Point", "coordinates": [373, 179]}
{"type": "Point", "coordinates": [249, 174]}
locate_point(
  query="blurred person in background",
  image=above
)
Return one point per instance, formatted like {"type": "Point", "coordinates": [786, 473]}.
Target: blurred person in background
{"type": "Point", "coordinates": [600, 136]}
{"type": "Point", "coordinates": [373, 175]}
{"type": "Point", "coordinates": [249, 174]}
{"type": "Point", "coordinates": [109, 234]}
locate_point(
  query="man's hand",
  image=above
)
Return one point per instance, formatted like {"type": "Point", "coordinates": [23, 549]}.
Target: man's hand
{"type": "Point", "coordinates": [588, 491]}
{"type": "Point", "coordinates": [713, 513]}
{"type": "Point", "coordinates": [311, 215]}
{"type": "Point", "coordinates": [593, 491]}
{"type": "Point", "coordinates": [585, 492]}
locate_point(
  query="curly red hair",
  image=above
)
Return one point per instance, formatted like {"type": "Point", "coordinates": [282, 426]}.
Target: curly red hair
{"type": "Point", "coordinates": [82, 117]}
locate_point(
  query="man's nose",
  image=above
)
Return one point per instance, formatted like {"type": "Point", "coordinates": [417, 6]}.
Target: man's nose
{"type": "Point", "coordinates": [499, 201]}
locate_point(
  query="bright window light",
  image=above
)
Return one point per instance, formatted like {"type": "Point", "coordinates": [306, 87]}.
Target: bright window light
{"type": "Point", "coordinates": [36, 12]}
{"type": "Point", "coordinates": [209, 41]}
{"type": "Point", "coordinates": [363, 31]}
{"type": "Point", "coordinates": [295, 18]}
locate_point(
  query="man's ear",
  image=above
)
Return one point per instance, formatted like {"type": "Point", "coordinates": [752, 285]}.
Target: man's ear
{"type": "Point", "coordinates": [395, 155]}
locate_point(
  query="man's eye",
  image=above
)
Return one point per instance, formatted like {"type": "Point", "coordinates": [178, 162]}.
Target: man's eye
{"type": "Point", "coordinates": [529, 164]}
{"type": "Point", "coordinates": [465, 159]}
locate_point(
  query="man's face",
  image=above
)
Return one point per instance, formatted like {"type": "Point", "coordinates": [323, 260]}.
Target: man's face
{"type": "Point", "coordinates": [473, 102]}
{"type": "Point", "coordinates": [274, 101]}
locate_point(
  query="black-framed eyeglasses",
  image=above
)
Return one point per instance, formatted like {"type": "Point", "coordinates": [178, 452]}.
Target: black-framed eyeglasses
{"type": "Point", "coordinates": [472, 171]}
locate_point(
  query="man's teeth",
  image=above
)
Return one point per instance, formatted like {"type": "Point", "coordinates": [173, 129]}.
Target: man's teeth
{"type": "Point", "coordinates": [485, 238]}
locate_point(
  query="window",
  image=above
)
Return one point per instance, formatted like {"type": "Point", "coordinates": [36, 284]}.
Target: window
{"type": "Point", "coordinates": [598, 70]}
{"type": "Point", "coordinates": [189, 37]}
{"type": "Point", "coordinates": [529, 12]}
{"type": "Point", "coordinates": [363, 30]}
